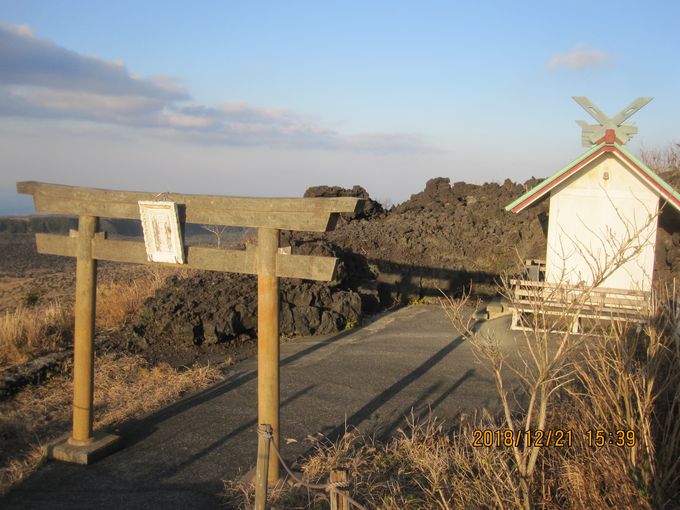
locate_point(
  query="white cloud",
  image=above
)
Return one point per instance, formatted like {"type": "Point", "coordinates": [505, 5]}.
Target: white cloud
{"type": "Point", "coordinates": [186, 121]}
{"type": "Point", "coordinates": [82, 102]}
{"type": "Point", "coordinates": [581, 57]}
{"type": "Point", "coordinates": [28, 60]}
{"type": "Point", "coordinates": [23, 30]}
{"type": "Point", "coordinates": [40, 79]}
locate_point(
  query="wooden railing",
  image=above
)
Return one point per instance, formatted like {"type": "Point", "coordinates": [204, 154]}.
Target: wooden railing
{"type": "Point", "coordinates": [574, 303]}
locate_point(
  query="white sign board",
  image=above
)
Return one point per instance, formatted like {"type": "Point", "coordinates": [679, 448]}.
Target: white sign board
{"type": "Point", "coordinates": [162, 234]}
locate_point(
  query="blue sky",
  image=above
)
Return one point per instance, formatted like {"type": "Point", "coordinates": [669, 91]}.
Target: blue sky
{"type": "Point", "coordinates": [268, 98]}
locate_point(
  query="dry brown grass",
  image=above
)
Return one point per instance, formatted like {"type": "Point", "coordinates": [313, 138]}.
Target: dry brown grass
{"type": "Point", "coordinates": [29, 331]}
{"type": "Point", "coordinates": [423, 467]}
{"type": "Point", "coordinates": [117, 300]}
{"type": "Point", "coordinates": [125, 387]}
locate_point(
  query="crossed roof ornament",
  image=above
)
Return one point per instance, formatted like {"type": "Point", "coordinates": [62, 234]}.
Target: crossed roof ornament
{"type": "Point", "coordinates": [593, 134]}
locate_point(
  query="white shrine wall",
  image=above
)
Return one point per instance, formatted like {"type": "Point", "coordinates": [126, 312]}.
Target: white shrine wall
{"type": "Point", "coordinates": [603, 213]}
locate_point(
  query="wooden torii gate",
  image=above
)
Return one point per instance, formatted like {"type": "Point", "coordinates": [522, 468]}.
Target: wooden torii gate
{"type": "Point", "coordinates": [88, 245]}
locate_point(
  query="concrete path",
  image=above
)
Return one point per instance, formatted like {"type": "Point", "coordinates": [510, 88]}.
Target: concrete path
{"type": "Point", "coordinates": [369, 377]}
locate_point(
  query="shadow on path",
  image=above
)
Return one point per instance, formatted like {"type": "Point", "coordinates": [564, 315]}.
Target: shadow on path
{"type": "Point", "coordinates": [249, 425]}
{"type": "Point", "coordinates": [136, 430]}
{"type": "Point", "coordinates": [420, 408]}
{"type": "Point", "coordinates": [389, 393]}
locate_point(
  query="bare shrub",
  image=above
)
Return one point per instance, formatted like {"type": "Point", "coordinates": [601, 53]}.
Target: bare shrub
{"type": "Point", "coordinates": [543, 367]}
{"type": "Point", "coordinates": [217, 231]}
{"type": "Point", "coordinates": [662, 159]}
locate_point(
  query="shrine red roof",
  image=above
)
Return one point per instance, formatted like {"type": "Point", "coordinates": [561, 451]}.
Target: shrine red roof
{"type": "Point", "coordinates": [655, 183]}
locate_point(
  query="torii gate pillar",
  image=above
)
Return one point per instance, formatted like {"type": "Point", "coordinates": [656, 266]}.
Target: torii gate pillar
{"type": "Point", "coordinates": [268, 338]}
{"type": "Point", "coordinates": [83, 338]}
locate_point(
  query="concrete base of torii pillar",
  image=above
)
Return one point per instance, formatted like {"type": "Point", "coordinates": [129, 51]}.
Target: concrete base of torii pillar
{"type": "Point", "coordinates": [101, 445]}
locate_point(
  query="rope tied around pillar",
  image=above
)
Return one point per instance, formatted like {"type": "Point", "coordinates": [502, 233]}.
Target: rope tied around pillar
{"type": "Point", "coordinates": [264, 431]}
